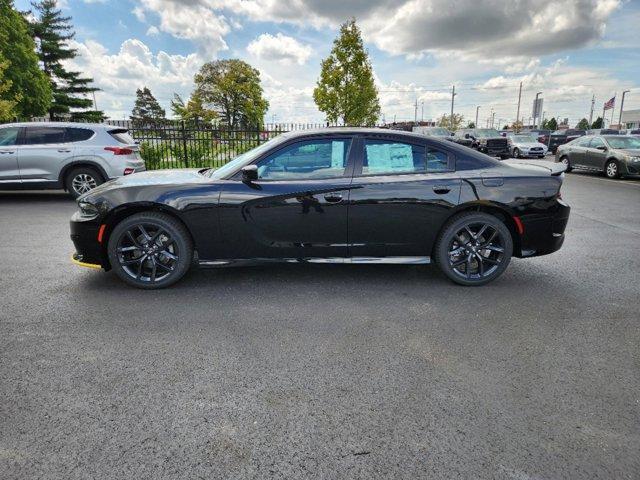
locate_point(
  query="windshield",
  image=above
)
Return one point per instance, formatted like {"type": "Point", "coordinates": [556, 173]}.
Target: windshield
{"type": "Point", "coordinates": [244, 159]}
{"type": "Point", "coordinates": [437, 132]}
{"type": "Point", "coordinates": [524, 138]}
{"type": "Point", "coordinates": [624, 142]}
{"type": "Point", "coordinates": [487, 133]}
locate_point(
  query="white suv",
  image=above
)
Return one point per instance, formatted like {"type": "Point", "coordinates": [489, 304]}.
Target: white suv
{"type": "Point", "coordinates": [73, 156]}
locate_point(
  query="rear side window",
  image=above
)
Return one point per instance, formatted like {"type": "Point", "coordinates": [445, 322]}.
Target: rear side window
{"type": "Point", "coordinates": [8, 136]}
{"type": "Point", "coordinates": [121, 135]}
{"type": "Point", "coordinates": [43, 135]}
{"type": "Point", "coordinates": [388, 157]}
{"type": "Point", "coordinates": [78, 134]}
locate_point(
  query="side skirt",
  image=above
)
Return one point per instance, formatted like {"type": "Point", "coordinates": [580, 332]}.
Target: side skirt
{"type": "Point", "coordinates": [241, 262]}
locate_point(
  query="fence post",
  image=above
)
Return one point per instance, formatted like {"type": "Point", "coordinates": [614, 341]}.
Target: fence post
{"type": "Point", "coordinates": [184, 144]}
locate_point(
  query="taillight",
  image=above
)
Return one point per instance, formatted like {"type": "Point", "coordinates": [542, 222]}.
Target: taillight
{"type": "Point", "coordinates": [119, 150]}
{"type": "Point", "coordinates": [128, 171]}
{"type": "Point", "coordinates": [519, 225]}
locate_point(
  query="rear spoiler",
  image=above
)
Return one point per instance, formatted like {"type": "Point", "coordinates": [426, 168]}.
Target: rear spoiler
{"type": "Point", "coordinates": [554, 168]}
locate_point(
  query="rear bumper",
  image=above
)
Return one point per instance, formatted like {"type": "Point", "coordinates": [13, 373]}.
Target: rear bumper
{"type": "Point", "coordinates": [544, 234]}
{"type": "Point", "coordinates": [84, 235]}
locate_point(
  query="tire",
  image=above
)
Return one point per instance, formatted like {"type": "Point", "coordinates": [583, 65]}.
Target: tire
{"type": "Point", "coordinates": [150, 250]}
{"type": "Point", "coordinates": [612, 169]}
{"type": "Point", "coordinates": [455, 238]}
{"type": "Point", "coordinates": [564, 159]}
{"type": "Point", "coordinates": [82, 180]}
{"type": "Point", "coordinates": [504, 157]}
{"type": "Point", "coordinates": [516, 153]}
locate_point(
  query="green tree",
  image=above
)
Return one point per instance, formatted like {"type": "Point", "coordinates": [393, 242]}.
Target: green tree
{"type": "Point", "coordinates": [191, 110]}
{"type": "Point", "coordinates": [232, 89]}
{"type": "Point", "coordinates": [550, 124]}
{"type": "Point", "coordinates": [471, 125]}
{"type": "Point", "coordinates": [598, 123]}
{"type": "Point", "coordinates": [28, 85]}
{"type": "Point", "coordinates": [7, 103]}
{"type": "Point", "coordinates": [583, 124]}
{"type": "Point", "coordinates": [345, 90]}
{"type": "Point", "coordinates": [71, 90]}
{"type": "Point", "coordinates": [146, 107]}
{"type": "Point", "coordinates": [445, 122]}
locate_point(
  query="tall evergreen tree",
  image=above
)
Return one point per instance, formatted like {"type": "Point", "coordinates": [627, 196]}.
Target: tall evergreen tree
{"type": "Point", "coordinates": [146, 107]}
{"type": "Point", "coordinates": [28, 85]}
{"type": "Point", "coordinates": [345, 90]}
{"type": "Point", "coordinates": [71, 90]}
{"type": "Point", "coordinates": [597, 123]}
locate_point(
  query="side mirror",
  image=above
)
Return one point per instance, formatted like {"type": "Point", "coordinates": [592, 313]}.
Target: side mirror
{"type": "Point", "coordinates": [466, 135]}
{"type": "Point", "coordinates": [249, 173]}
{"type": "Point", "coordinates": [602, 148]}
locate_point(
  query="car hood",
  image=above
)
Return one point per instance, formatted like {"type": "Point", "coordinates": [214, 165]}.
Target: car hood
{"type": "Point", "coordinates": [529, 144]}
{"type": "Point", "coordinates": [632, 152]}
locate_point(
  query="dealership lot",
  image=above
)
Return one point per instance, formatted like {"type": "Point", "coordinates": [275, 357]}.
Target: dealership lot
{"type": "Point", "coordinates": [324, 371]}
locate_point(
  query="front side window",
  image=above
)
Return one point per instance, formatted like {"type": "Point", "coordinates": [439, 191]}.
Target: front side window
{"type": "Point", "coordinates": [596, 142]}
{"type": "Point", "coordinates": [388, 157]}
{"type": "Point", "coordinates": [8, 136]}
{"type": "Point", "coordinates": [306, 160]}
{"type": "Point", "coordinates": [43, 135]}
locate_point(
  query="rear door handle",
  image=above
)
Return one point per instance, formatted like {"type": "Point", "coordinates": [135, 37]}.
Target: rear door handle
{"type": "Point", "coordinates": [64, 150]}
{"type": "Point", "coordinates": [441, 189]}
{"type": "Point", "coordinates": [333, 198]}
{"type": "Point", "coordinates": [7, 151]}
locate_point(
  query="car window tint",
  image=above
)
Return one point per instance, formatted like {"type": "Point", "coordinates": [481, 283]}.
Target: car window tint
{"type": "Point", "coordinates": [122, 136]}
{"type": "Point", "coordinates": [8, 136]}
{"type": "Point", "coordinates": [437, 160]}
{"type": "Point", "coordinates": [383, 157]}
{"type": "Point", "coordinates": [43, 135]}
{"type": "Point", "coordinates": [78, 134]}
{"type": "Point", "coordinates": [596, 142]}
{"type": "Point", "coordinates": [306, 160]}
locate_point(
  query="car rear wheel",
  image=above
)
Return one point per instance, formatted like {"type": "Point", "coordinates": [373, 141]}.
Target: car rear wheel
{"type": "Point", "coordinates": [474, 248]}
{"type": "Point", "coordinates": [150, 250]}
{"type": "Point", "coordinates": [516, 153]}
{"type": "Point", "coordinates": [611, 169]}
{"type": "Point", "coordinates": [82, 180]}
{"type": "Point", "coordinates": [565, 160]}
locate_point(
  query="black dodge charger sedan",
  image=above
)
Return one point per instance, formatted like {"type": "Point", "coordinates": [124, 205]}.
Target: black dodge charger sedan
{"type": "Point", "coordinates": [339, 195]}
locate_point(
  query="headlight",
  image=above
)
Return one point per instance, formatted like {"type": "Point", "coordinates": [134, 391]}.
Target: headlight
{"type": "Point", "coordinates": [87, 209]}
{"type": "Point", "coordinates": [633, 159]}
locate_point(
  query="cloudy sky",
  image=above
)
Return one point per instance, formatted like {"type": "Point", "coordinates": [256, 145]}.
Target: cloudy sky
{"type": "Point", "coordinates": [567, 49]}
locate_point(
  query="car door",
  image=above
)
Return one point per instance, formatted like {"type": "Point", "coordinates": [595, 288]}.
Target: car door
{"type": "Point", "coordinates": [596, 154]}
{"type": "Point", "coordinates": [577, 150]}
{"type": "Point", "coordinates": [9, 171]}
{"type": "Point", "coordinates": [42, 154]}
{"type": "Point", "coordinates": [296, 209]}
{"type": "Point", "coordinates": [401, 193]}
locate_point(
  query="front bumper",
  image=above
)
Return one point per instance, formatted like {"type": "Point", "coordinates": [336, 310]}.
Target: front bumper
{"type": "Point", "coordinates": [544, 234]}
{"type": "Point", "coordinates": [84, 235]}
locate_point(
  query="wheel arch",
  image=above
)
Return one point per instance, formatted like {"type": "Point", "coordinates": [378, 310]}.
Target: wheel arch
{"type": "Point", "coordinates": [501, 212]}
{"type": "Point", "coordinates": [118, 214]}
{"type": "Point", "coordinates": [80, 163]}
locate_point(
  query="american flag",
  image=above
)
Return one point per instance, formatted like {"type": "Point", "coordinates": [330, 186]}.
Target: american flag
{"type": "Point", "coordinates": [610, 104]}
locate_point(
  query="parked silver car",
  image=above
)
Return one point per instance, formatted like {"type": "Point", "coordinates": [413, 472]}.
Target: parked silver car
{"type": "Point", "coordinates": [75, 156]}
{"type": "Point", "coordinates": [526, 145]}
{"type": "Point", "coordinates": [615, 155]}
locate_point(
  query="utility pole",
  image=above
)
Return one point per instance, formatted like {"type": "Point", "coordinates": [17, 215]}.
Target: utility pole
{"type": "Point", "coordinates": [593, 102]}
{"type": "Point", "coordinates": [621, 107]}
{"type": "Point", "coordinates": [518, 114]}
{"type": "Point", "coordinates": [493, 120]}
{"type": "Point", "coordinates": [415, 113]}
{"type": "Point", "coordinates": [477, 110]}
{"type": "Point", "coordinates": [453, 95]}
{"type": "Point", "coordinates": [536, 113]}
{"type": "Point", "coordinates": [422, 113]}
{"type": "Point", "coordinates": [613, 109]}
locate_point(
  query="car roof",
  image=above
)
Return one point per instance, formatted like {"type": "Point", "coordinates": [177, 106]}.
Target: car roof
{"type": "Point", "coordinates": [351, 131]}
{"type": "Point", "coordinates": [59, 124]}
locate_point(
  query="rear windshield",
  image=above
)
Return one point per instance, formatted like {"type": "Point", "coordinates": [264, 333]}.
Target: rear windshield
{"type": "Point", "coordinates": [122, 136]}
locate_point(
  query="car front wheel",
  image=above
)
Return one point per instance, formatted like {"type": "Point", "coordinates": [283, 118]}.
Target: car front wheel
{"type": "Point", "coordinates": [516, 153]}
{"type": "Point", "coordinates": [150, 250]}
{"type": "Point", "coordinates": [565, 160]}
{"type": "Point", "coordinates": [611, 170]}
{"type": "Point", "coordinates": [474, 248]}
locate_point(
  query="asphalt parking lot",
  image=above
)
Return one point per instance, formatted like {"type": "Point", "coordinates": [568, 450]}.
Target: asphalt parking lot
{"type": "Point", "coordinates": [324, 371]}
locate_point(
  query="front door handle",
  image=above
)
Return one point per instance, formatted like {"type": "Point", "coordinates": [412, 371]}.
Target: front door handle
{"type": "Point", "coordinates": [333, 198]}
{"type": "Point", "coordinates": [7, 151]}
{"type": "Point", "coordinates": [441, 189]}
{"type": "Point", "coordinates": [64, 150]}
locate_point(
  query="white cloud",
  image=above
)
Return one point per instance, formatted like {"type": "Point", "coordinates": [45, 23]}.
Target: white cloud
{"type": "Point", "coordinates": [279, 48]}
{"type": "Point", "coordinates": [153, 31]}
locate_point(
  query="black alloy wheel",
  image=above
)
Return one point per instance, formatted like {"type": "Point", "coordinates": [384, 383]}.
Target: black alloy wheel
{"type": "Point", "coordinates": [474, 248]}
{"type": "Point", "coordinates": [150, 250]}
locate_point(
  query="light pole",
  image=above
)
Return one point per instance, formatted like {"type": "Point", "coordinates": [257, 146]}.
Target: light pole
{"type": "Point", "coordinates": [422, 113]}
{"type": "Point", "coordinates": [621, 108]}
{"type": "Point", "coordinates": [477, 110]}
{"type": "Point", "coordinates": [518, 114]}
{"type": "Point", "coordinates": [493, 120]}
{"type": "Point", "coordinates": [453, 95]}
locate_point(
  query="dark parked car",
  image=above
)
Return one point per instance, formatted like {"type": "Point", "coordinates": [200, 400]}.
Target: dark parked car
{"type": "Point", "coordinates": [560, 137]}
{"type": "Point", "coordinates": [338, 195]}
{"type": "Point", "coordinates": [615, 155]}
{"type": "Point", "coordinates": [437, 132]}
{"type": "Point", "coordinates": [485, 140]}
{"type": "Point", "coordinates": [541, 135]}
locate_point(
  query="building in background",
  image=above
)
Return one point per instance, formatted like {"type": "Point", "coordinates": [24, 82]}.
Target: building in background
{"type": "Point", "coordinates": [631, 119]}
